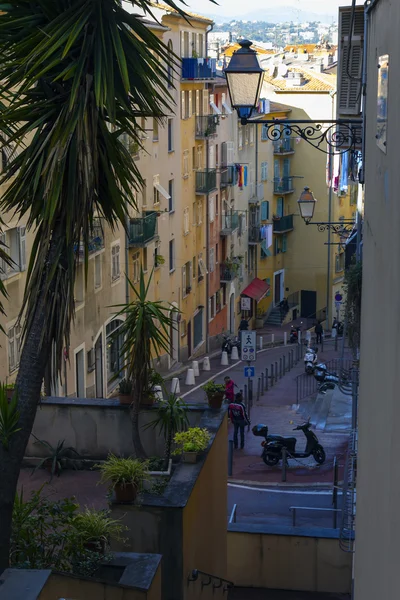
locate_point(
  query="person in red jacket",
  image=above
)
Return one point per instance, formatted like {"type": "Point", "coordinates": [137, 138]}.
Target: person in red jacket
{"type": "Point", "coordinates": [238, 416]}
{"type": "Point", "coordinates": [229, 389]}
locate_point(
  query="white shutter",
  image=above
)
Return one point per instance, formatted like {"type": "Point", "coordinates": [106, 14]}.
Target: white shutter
{"type": "Point", "coordinates": [206, 103]}
{"type": "Point", "coordinates": [211, 209]}
{"type": "Point", "coordinates": [210, 317]}
{"type": "Point", "coordinates": [184, 281]}
{"type": "Point", "coordinates": [22, 248]}
{"type": "Point", "coordinates": [183, 105]}
{"type": "Point", "coordinates": [198, 107]}
{"type": "Point", "coordinates": [224, 153]}
{"type": "Point", "coordinates": [186, 221]}
{"type": "Point", "coordinates": [190, 104]}
{"type": "Point", "coordinates": [190, 272]}
{"type": "Point", "coordinates": [230, 152]}
{"type": "Point", "coordinates": [196, 43]}
{"type": "Point", "coordinates": [200, 157]}
{"type": "Point", "coordinates": [211, 157]}
{"type": "Point", "coordinates": [199, 212]}
{"type": "Point", "coordinates": [182, 44]}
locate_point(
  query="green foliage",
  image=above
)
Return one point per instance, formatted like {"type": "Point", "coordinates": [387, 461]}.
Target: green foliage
{"type": "Point", "coordinates": [48, 534]}
{"type": "Point", "coordinates": [96, 528]}
{"type": "Point", "coordinates": [194, 439]}
{"type": "Point", "coordinates": [125, 386]}
{"type": "Point", "coordinates": [212, 388]}
{"type": "Point", "coordinates": [171, 417]}
{"type": "Point", "coordinates": [353, 288]}
{"type": "Point", "coordinates": [124, 471]}
{"type": "Point", "coordinates": [9, 417]}
{"type": "Point", "coordinates": [54, 457]}
{"type": "Point", "coordinates": [155, 378]}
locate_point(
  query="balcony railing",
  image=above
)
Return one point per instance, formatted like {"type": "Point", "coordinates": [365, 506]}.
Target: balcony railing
{"type": "Point", "coordinates": [143, 229]}
{"type": "Point", "coordinates": [230, 222]}
{"type": "Point", "coordinates": [284, 146]}
{"type": "Point", "coordinates": [199, 68]}
{"type": "Point", "coordinates": [96, 241]}
{"type": "Point", "coordinates": [206, 181]}
{"type": "Point", "coordinates": [254, 234]}
{"type": "Point", "coordinates": [206, 126]}
{"type": "Point", "coordinates": [283, 224]}
{"type": "Point", "coordinates": [283, 186]}
{"type": "Point", "coordinates": [228, 272]}
{"type": "Point", "coordinates": [227, 176]}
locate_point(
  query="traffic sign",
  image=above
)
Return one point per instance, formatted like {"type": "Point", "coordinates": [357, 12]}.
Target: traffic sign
{"type": "Point", "coordinates": [248, 346]}
{"type": "Point", "coordinates": [338, 297]}
{"type": "Point", "coordinates": [249, 371]}
{"type": "Point", "coordinates": [245, 303]}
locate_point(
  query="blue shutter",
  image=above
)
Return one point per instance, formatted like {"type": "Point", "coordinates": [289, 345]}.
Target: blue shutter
{"type": "Point", "coordinates": [279, 207]}
{"type": "Point", "coordinates": [286, 167]}
{"type": "Point", "coordinates": [264, 211]}
{"type": "Point", "coordinates": [284, 242]}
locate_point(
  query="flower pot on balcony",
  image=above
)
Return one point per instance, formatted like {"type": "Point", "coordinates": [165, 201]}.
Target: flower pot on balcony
{"type": "Point", "coordinates": [215, 400]}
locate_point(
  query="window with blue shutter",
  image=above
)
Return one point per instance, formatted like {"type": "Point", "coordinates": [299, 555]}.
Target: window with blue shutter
{"type": "Point", "coordinates": [264, 211]}
{"type": "Point", "coordinates": [264, 133]}
{"type": "Point", "coordinates": [264, 171]}
{"type": "Point", "coordinates": [284, 243]}
{"type": "Point", "coordinates": [279, 207]}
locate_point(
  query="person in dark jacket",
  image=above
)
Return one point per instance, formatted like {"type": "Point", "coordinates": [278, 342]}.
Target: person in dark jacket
{"type": "Point", "coordinates": [318, 332]}
{"type": "Point", "coordinates": [238, 416]}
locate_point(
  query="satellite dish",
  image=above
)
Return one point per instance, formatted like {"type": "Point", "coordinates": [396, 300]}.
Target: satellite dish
{"type": "Point", "coordinates": [282, 70]}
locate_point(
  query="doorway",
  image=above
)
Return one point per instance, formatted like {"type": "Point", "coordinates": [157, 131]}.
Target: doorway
{"type": "Point", "coordinates": [80, 373]}
{"type": "Point", "coordinates": [232, 313]}
{"type": "Point", "coordinates": [279, 286]}
{"type": "Point", "coordinates": [189, 338]}
{"type": "Point", "coordinates": [98, 365]}
{"type": "Point", "coordinates": [308, 304]}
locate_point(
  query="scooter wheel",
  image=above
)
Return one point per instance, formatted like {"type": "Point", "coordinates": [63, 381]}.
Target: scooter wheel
{"type": "Point", "coordinates": [270, 459]}
{"type": "Point", "coordinates": [319, 455]}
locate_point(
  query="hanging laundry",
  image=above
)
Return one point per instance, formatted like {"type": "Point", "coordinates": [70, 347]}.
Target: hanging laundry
{"type": "Point", "coordinates": [269, 235]}
{"type": "Point", "coordinates": [245, 176]}
{"type": "Point", "coordinates": [336, 172]}
{"type": "Point", "coordinates": [240, 183]}
{"type": "Point", "coordinates": [344, 172]}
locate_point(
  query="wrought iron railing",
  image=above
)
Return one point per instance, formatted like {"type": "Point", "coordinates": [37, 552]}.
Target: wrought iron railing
{"type": "Point", "coordinates": [228, 272]}
{"type": "Point", "coordinates": [206, 126]}
{"type": "Point", "coordinates": [229, 222]}
{"type": "Point", "coordinates": [284, 185]}
{"type": "Point", "coordinates": [143, 229]}
{"type": "Point", "coordinates": [206, 181]}
{"type": "Point", "coordinates": [96, 240]}
{"type": "Point", "coordinates": [283, 146]}
{"type": "Point", "coordinates": [307, 386]}
{"type": "Point", "coordinates": [283, 224]}
{"type": "Point", "coordinates": [199, 68]}
{"type": "Point", "coordinates": [227, 176]}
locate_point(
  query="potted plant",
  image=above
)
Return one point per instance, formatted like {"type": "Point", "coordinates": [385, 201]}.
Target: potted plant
{"type": "Point", "coordinates": [215, 394]}
{"type": "Point", "coordinates": [191, 442]}
{"type": "Point", "coordinates": [95, 529]}
{"type": "Point", "coordinates": [125, 391]}
{"type": "Point", "coordinates": [10, 389]}
{"type": "Point", "coordinates": [53, 461]}
{"type": "Point", "coordinates": [125, 475]}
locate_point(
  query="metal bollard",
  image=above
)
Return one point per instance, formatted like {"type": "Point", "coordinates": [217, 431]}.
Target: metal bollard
{"type": "Point", "coordinates": [272, 374]}
{"type": "Point", "coordinates": [266, 379]}
{"type": "Point", "coordinates": [280, 368]}
{"type": "Point", "coordinates": [262, 383]}
{"type": "Point", "coordinates": [273, 339]}
{"type": "Point", "coordinates": [245, 393]}
{"type": "Point", "coordinates": [260, 341]}
{"type": "Point", "coordinates": [258, 389]}
{"type": "Point", "coordinates": [230, 458]}
{"type": "Point", "coordinates": [285, 338]}
{"type": "Point", "coordinates": [276, 370]}
{"type": "Point", "coordinates": [284, 464]}
{"type": "Point", "coordinates": [284, 363]}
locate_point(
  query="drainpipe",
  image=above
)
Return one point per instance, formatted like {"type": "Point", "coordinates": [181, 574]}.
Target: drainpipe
{"type": "Point", "coordinates": [207, 32]}
{"type": "Point", "coordinates": [207, 249]}
{"type": "Point", "coordinates": [127, 260]}
{"type": "Point", "coordinates": [256, 184]}
{"type": "Point", "coordinates": [330, 177]}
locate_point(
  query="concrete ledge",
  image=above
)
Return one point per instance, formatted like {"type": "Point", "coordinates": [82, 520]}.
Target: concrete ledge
{"type": "Point", "coordinates": [257, 529]}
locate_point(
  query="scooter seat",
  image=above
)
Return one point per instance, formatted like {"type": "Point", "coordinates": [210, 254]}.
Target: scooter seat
{"type": "Point", "coordinates": [290, 441]}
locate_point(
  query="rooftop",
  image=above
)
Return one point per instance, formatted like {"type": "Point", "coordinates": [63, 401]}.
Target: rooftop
{"type": "Point", "coordinates": [174, 11]}
{"type": "Point", "coordinates": [312, 81]}
{"type": "Point", "coordinates": [231, 48]}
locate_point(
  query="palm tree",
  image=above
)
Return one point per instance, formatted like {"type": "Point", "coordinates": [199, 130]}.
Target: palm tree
{"type": "Point", "coordinates": [74, 76]}
{"type": "Point", "coordinates": [146, 333]}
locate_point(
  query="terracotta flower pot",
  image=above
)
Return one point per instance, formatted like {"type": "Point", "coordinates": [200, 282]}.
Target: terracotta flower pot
{"type": "Point", "coordinates": [125, 398]}
{"type": "Point", "coordinates": [10, 394]}
{"type": "Point", "coordinates": [190, 457]}
{"type": "Point", "coordinates": [215, 400]}
{"type": "Point", "coordinates": [125, 493]}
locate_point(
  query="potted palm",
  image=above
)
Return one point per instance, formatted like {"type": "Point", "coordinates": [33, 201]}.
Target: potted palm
{"type": "Point", "coordinates": [171, 417]}
{"type": "Point", "coordinates": [95, 529]}
{"type": "Point", "coordinates": [125, 476]}
{"type": "Point", "coordinates": [191, 443]}
{"type": "Point", "coordinates": [125, 391]}
{"type": "Point", "coordinates": [215, 394]}
{"type": "Point", "coordinates": [53, 461]}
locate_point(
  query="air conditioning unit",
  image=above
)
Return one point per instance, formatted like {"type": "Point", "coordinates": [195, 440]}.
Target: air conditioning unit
{"type": "Point", "coordinates": [350, 63]}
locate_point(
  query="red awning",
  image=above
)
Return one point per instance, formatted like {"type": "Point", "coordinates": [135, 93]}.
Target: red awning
{"type": "Point", "coordinates": [257, 289]}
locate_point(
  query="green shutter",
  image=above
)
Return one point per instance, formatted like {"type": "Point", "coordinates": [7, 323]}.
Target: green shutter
{"type": "Point", "coordinates": [264, 211]}
{"type": "Point", "coordinates": [284, 242]}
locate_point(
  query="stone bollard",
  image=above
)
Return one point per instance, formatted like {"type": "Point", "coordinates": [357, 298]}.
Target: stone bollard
{"type": "Point", "coordinates": [158, 393]}
{"type": "Point", "coordinates": [206, 364]}
{"type": "Point", "coordinates": [224, 359]}
{"type": "Point", "coordinates": [190, 380]}
{"type": "Point", "coordinates": [273, 339]}
{"type": "Point", "coordinates": [195, 367]}
{"type": "Point", "coordinates": [260, 341]}
{"type": "Point", "coordinates": [235, 353]}
{"type": "Point", "coordinates": [285, 338]}
{"type": "Point", "coordinates": [175, 387]}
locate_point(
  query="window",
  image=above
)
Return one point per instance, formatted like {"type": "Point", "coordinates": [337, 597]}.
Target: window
{"type": "Point", "coordinates": [218, 305]}
{"type": "Point", "coordinates": [201, 45]}
{"type": "Point", "coordinates": [171, 256]}
{"type": "Point", "coordinates": [80, 373]}
{"type": "Point", "coordinates": [199, 212]}
{"type": "Point", "coordinates": [186, 279]}
{"type": "Point", "coordinates": [158, 259]}
{"type": "Point", "coordinates": [211, 307]}
{"type": "Point", "coordinates": [216, 254]}
{"type": "Point", "coordinates": [246, 134]}
{"type": "Point", "coordinates": [185, 170]}
{"type": "Point", "coordinates": [216, 205]}
{"type": "Point", "coordinates": [216, 155]}
{"type": "Point", "coordinates": [114, 343]}
{"type": "Point", "coordinates": [264, 133]}
{"type": "Point", "coordinates": [170, 64]}
{"type": "Point", "coordinates": [211, 212]}
{"type": "Point", "coordinates": [264, 171]}
{"type": "Point", "coordinates": [226, 109]}
{"type": "Point", "coordinates": [264, 211]}
{"type": "Point", "coordinates": [13, 241]}
{"type": "Point", "coordinates": [155, 130]}
{"type": "Point", "coordinates": [170, 135]}
{"type": "Point", "coordinates": [284, 242]}
{"type": "Point", "coordinates": [194, 158]}
{"type": "Point", "coordinates": [199, 163]}
{"type": "Point", "coordinates": [144, 259]}
{"type": "Point", "coordinates": [201, 268]}
{"type": "Point", "coordinates": [79, 286]}
{"type": "Point", "coordinates": [144, 193]}
{"type": "Point", "coordinates": [195, 94]}
{"type": "Point", "coordinates": [136, 267]}
{"type": "Point", "coordinates": [171, 207]}
{"type": "Point", "coordinates": [212, 260]}
{"type": "Point", "coordinates": [97, 272]}
{"type": "Point", "coordinates": [115, 264]}
{"type": "Point", "coordinates": [194, 214]}
{"type": "Point", "coordinates": [213, 105]}
{"type": "Point", "coordinates": [186, 221]}
{"type": "Point", "coordinates": [251, 134]}
{"type": "Point", "coordinates": [186, 104]}
{"type": "Point", "coordinates": [194, 267]}
{"type": "Point", "coordinates": [156, 195]}
{"type": "Point", "coordinates": [14, 346]}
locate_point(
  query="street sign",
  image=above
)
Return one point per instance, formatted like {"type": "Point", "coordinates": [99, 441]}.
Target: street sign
{"type": "Point", "coordinates": [248, 346]}
{"type": "Point", "coordinates": [338, 297]}
{"type": "Point", "coordinates": [249, 371]}
{"type": "Point", "coordinates": [245, 303]}
{"type": "Point", "coordinates": [338, 305]}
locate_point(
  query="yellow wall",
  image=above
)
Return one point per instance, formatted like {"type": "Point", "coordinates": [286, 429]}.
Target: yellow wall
{"type": "Point", "coordinates": [204, 521]}
{"type": "Point", "coordinates": [288, 562]}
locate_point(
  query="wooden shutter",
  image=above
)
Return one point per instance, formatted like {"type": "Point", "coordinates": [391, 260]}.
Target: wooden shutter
{"type": "Point", "coordinates": [22, 248]}
{"type": "Point", "coordinates": [349, 88]}
{"type": "Point", "coordinates": [211, 214]}
{"type": "Point", "coordinates": [190, 104]}
{"type": "Point", "coordinates": [206, 103]}
{"type": "Point", "coordinates": [264, 211]}
{"type": "Point", "coordinates": [182, 44]}
{"type": "Point", "coordinates": [211, 157]}
{"type": "Point", "coordinates": [184, 281]}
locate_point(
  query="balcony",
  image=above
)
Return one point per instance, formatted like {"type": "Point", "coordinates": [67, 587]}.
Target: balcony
{"type": "Point", "coordinates": [284, 146]}
{"type": "Point", "coordinates": [206, 181]}
{"type": "Point", "coordinates": [230, 222]}
{"type": "Point", "coordinates": [228, 272]}
{"type": "Point", "coordinates": [283, 186]}
{"type": "Point", "coordinates": [143, 230]}
{"type": "Point", "coordinates": [96, 240]}
{"type": "Point", "coordinates": [206, 126]}
{"type": "Point", "coordinates": [283, 224]}
{"type": "Point", "coordinates": [199, 68]}
{"type": "Point", "coordinates": [254, 234]}
{"type": "Point", "coordinates": [227, 176]}
{"type": "Point", "coordinates": [256, 193]}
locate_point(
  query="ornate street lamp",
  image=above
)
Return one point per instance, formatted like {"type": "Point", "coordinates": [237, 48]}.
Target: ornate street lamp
{"type": "Point", "coordinates": [244, 78]}
{"type": "Point", "coordinates": [306, 204]}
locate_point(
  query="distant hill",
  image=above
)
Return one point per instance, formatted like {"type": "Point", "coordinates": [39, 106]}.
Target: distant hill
{"type": "Point", "coordinates": [277, 15]}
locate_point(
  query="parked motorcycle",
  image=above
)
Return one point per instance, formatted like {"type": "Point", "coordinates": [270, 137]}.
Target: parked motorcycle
{"type": "Point", "coordinates": [327, 380]}
{"type": "Point", "coordinates": [273, 447]}
{"type": "Point", "coordinates": [294, 335]}
{"type": "Point", "coordinates": [229, 343]}
{"type": "Point", "coordinates": [310, 360]}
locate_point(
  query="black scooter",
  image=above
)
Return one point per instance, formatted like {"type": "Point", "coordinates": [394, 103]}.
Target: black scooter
{"type": "Point", "coordinates": [273, 447]}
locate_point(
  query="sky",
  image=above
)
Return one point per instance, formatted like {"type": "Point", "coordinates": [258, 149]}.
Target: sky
{"type": "Point", "coordinates": [238, 7]}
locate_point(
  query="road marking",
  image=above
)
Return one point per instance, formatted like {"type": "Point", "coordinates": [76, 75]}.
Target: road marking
{"type": "Point", "coordinates": [284, 491]}
{"type": "Point", "coordinates": [238, 362]}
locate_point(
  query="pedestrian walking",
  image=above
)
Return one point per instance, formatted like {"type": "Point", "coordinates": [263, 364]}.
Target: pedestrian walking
{"type": "Point", "coordinates": [229, 389]}
{"type": "Point", "coordinates": [238, 416]}
{"type": "Point", "coordinates": [319, 331]}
